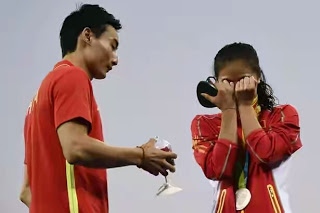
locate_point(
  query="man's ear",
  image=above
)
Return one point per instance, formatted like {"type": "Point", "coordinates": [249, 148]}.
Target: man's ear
{"type": "Point", "coordinates": [86, 35]}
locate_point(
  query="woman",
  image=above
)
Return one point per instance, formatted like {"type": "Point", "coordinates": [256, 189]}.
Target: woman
{"type": "Point", "coordinates": [244, 148]}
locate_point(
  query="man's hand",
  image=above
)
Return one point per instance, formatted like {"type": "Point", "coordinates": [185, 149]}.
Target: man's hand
{"type": "Point", "coordinates": [155, 160]}
{"type": "Point", "coordinates": [225, 98]}
{"type": "Point", "coordinates": [246, 91]}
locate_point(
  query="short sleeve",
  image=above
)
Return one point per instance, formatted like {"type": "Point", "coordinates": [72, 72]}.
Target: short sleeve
{"type": "Point", "coordinates": [72, 97]}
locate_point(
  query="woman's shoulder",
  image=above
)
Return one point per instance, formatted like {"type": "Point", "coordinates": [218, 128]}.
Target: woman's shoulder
{"type": "Point", "coordinates": [207, 120]}
{"type": "Point", "coordinates": [285, 108]}
{"type": "Point", "coordinates": [208, 117]}
{"type": "Point", "coordinates": [280, 113]}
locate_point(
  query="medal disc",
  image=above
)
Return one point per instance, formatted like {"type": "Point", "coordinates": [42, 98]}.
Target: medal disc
{"type": "Point", "coordinates": [243, 197]}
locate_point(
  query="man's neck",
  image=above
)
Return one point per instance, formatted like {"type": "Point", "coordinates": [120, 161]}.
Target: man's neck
{"type": "Point", "coordinates": [77, 60]}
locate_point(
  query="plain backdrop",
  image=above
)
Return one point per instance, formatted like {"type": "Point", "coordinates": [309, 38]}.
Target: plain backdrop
{"type": "Point", "coordinates": [166, 47]}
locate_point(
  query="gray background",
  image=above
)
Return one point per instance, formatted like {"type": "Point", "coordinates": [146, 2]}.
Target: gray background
{"type": "Point", "coordinates": [166, 47]}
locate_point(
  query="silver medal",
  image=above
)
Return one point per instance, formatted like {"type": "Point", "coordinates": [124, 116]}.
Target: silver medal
{"type": "Point", "coordinates": [243, 197]}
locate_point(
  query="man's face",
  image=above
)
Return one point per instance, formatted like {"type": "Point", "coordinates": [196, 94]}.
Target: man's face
{"type": "Point", "coordinates": [101, 53]}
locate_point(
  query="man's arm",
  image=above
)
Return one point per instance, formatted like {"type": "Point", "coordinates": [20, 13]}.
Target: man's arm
{"type": "Point", "coordinates": [25, 194]}
{"type": "Point", "coordinates": [79, 148]}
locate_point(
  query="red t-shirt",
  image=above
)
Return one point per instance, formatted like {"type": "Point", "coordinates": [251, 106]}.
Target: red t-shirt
{"type": "Point", "coordinates": [56, 186]}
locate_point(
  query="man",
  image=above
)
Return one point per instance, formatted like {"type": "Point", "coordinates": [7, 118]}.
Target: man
{"type": "Point", "coordinates": [65, 156]}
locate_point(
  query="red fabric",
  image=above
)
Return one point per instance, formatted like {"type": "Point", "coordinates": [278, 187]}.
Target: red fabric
{"type": "Point", "coordinates": [65, 94]}
{"type": "Point", "coordinates": [211, 152]}
{"type": "Point", "coordinates": [279, 139]}
{"type": "Point", "coordinates": [276, 141]}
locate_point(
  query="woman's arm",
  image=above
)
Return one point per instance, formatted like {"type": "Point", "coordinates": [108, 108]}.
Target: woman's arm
{"type": "Point", "coordinates": [215, 154]}
{"type": "Point", "coordinates": [278, 142]}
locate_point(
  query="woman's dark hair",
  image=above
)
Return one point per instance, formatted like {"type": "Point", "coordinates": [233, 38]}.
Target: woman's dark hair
{"type": "Point", "coordinates": [92, 16]}
{"type": "Point", "coordinates": [245, 52]}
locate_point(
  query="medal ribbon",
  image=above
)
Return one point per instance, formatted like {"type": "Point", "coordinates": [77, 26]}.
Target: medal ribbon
{"type": "Point", "coordinates": [243, 177]}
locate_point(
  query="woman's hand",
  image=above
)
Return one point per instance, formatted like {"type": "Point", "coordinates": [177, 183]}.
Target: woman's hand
{"type": "Point", "coordinates": [246, 91]}
{"type": "Point", "coordinates": [225, 98]}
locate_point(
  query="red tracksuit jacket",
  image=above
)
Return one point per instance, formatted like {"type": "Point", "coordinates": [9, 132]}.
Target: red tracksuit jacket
{"type": "Point", "coordinates": [269, 149]}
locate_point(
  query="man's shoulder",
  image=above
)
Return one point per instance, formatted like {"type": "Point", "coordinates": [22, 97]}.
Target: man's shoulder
{"type": "Point", "coordinates": [71, 73]}
{"type": "Point", "coordinates": [64, 78]}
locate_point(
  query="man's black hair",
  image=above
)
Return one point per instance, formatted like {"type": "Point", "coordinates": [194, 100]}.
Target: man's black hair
{"type": "Point", "coordinates": [92, 16]}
